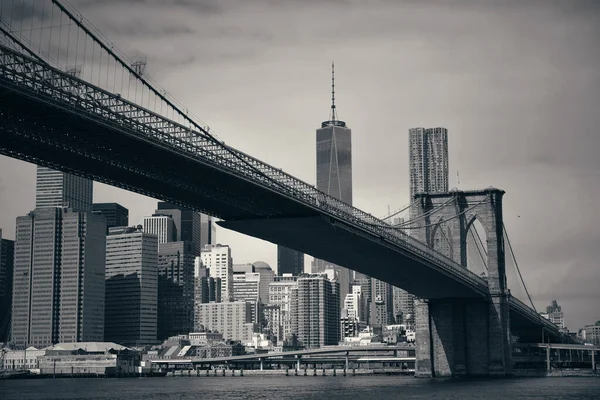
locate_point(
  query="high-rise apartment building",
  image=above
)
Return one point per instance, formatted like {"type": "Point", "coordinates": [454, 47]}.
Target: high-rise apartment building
{"type": "Point", "coordinates": [289, 261]}
{"type": "Point", "coordinates": [63, 190]}
{"type": "Point", "coordinates": [114, 213]}
{"type": "Point", "coordinates": [217, 259]}
{"type": "Point", "coordinates": [233, 319]}
{"type": "Point", "coordinates": [58, 292]}
{"type": "Point", "coordinates": [175, 289]}
{"type": "Point", "coordinates": [131, 286]}
{"type": "Point", "coordinates": [280, 295]}
{"type": "Point", "coordinates": [334, 176]}
{"type": "Point", "coordinates": [317, 311]}
{"type": "Point", "coordinates": [7, 248]}
{"type": "Point", "coordinates": [162, 226]}
{"type": "Point", "coordinates": [428, 160]}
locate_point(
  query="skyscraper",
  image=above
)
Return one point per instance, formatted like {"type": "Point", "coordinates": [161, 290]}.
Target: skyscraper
{"type": "Point", "coordinates": [334, 174]}
{"type": "Point", "coordinates": [191, 226]}
{"type": "Point", "coordinates": [114, 213]}
{"type": "Point", "coordinates": [428, 160]}
{"type": "Point", "coordinates": [317, 310]}
{"type": "Point", "coordinates": [131, 286]}
{"type": "Point", "coordinates": [60, 189]}
{"type": "Point", "coordinates": [289, 261]}
{"type": "Point", "coordinates": [58, 293]}
{"type": "Point", "coordinates": [7, 248]}
{"type": "Point", "coordinates": [58, 284]}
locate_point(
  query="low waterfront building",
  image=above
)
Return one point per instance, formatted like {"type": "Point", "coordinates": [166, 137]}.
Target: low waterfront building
{"type": "Point", "coordinates": [90, 358]}
{"type": "Point", "coordinates": [205, 338]}
{"type": "Point", "coordinates": [19, 360]}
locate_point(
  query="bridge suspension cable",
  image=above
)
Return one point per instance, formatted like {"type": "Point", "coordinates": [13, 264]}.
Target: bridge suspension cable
{"type": "Point", "coordinates": [449, 218]}
{"type": "Point", "coordinates": [400, 211]}
{"type": "Point", "coordinates": [517, 267]}
{"type": "Point", "coordinates": [105, 62]}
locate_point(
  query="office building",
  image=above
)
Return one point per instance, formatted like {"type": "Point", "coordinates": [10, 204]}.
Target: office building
{"type": "Point", "coordinates": [233, 319]}
{"type": "Point", "coordinates": [428, 160]}
{"type": "Point", "coordinates": [114, 213]}
{"type": "Point", "coordinates": [217, 259]}
{"type": "Point", "coordinates": [280, 295]}
{"type": "Point", "coordinates": [7, 248]}
{"type": "Point", "coordinates": [59, 189]}
{"type": "Point", "coordinates": [162, 226]}
{"type": "Point", "coordinates": [334, 176]}
{"type": "Point", "coordinates": [191, 226]}
{"type": "Point", "coordinates": [58, 285]}
{"type": "Point", "coordinates": [175, 289]}
{"type": "Point", "coordinates": [246, 287]}
{"type": "Point", "coordinates": [289, 261]}
{"type": "Point", "coordinates": [131, 286]}
{"type": "Point", "coordinates": [317, 310]}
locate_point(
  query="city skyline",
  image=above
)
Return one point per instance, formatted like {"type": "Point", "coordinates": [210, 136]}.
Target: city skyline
{"type": "Point", "coordinates": [556, 255]}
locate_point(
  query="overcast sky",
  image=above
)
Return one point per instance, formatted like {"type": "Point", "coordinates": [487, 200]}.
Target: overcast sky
{"type": "Point", "coordinates": [517, 84]}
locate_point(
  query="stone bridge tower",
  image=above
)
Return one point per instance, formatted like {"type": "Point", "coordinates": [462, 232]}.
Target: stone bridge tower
{"type": "Point", "coordinates": [469, 336]}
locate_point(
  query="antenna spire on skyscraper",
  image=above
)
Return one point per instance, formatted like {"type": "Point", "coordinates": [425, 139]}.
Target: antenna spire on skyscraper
{"type": "Point", "coordinates": [333, 113]}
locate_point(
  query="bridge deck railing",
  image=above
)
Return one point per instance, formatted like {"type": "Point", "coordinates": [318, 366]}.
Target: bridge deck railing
{"type": "Point", "coordinates": [79, 96]}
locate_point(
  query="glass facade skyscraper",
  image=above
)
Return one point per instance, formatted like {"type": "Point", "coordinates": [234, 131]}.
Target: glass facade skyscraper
{"type": "Point", "coordinates": [334, 176]}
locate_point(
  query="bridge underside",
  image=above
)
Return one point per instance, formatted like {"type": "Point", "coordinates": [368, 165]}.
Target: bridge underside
{"type": "Point", "coordinates": [368, 255]}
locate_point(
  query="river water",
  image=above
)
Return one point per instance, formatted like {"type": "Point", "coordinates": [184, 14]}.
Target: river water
{"type": "Point", "coordinates": [282, 387]}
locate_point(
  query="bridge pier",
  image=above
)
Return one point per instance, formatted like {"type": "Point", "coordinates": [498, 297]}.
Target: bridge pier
{"type": "Point", "coordinates": [464, 336]}
{"type": "Point", "coordinates": [458, 338]}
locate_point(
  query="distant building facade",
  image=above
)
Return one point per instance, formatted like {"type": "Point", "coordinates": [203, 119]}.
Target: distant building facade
{"type": "Point", "coordinates": [289, 261]}
{"type": "Point", "coordinates": [7, 248]}
{"type": "Point", "coordinates": [131, 287]}
{"type": "Point", "coordinates": [217, 259]}
{"type": "Point", "coordinates": [175, 289]}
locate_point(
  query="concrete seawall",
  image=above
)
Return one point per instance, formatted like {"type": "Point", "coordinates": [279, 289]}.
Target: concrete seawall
{"type": "Point", "coordinates": [288, 372]}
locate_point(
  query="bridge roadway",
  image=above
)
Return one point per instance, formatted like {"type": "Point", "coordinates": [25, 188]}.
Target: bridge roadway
{"type": "Point", "coordinates": [51, 118]}
{"type": "Point", "coordinates": [292, 355]}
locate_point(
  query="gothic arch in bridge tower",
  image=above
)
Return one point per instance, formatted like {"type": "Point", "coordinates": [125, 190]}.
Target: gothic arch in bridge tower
{"type": "Point", "coordinates": [452, 218]}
